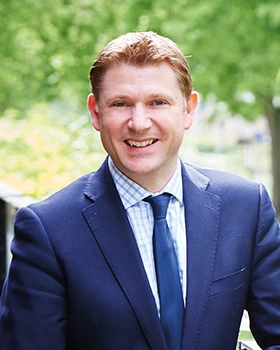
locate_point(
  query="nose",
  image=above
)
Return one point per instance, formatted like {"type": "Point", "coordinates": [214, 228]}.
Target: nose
{"type": "Point", "coordinates": [139, 119]}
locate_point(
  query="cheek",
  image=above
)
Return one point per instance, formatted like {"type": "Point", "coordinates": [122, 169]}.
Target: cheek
{"type": "Point", "coordinates": [175, 137]}
{"type": "Point", "coordinates": [179, 135]}
{"type": "Point", "coordinates": [107, 126]}
{"type": "Point", "coordinates": [112, 124]}
{"type": "Point", "coordinates": [110, 134]}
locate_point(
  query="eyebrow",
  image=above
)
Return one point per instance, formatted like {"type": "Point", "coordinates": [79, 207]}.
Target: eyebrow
{"type": "Point", "coordinates": [116, 97]}
{"type": "Point", "coordinates": [161, 96]}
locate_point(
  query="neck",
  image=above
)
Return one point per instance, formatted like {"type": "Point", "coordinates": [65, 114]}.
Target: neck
{"type": "Point", "coordinates": [153, 182]}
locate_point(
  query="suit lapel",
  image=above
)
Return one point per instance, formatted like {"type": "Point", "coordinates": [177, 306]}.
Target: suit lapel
{"type": "Point", "coordinates": [202, 210]}
{"type": "Point", "coordinates": [112, 231]}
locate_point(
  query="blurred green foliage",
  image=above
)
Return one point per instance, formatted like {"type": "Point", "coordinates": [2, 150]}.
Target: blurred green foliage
{"type": "Point", "coordinates": [41, 154]}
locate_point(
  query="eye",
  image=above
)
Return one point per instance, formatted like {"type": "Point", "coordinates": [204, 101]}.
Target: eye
{"type": "Point", "coordinates": [119, 104]}
{"type": "Point", "coordinates": [158, 103]}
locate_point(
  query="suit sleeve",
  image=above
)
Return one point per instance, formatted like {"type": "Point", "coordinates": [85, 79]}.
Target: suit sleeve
{"type": "Point", "coordinates": [33, 308]}
{"type": "Point", "coordinates": [264, 295]}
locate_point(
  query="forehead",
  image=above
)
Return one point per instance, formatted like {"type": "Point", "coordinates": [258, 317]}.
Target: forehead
{"type": "Point", "coordinates": [126, 78]}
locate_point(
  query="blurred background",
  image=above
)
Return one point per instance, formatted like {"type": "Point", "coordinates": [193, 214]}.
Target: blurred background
{"type": "Point", "coordinates": [47, 48]}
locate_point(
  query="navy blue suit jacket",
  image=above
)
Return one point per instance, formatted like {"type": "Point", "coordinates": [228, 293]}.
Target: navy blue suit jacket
{"type": "Point", "coordinates": [77, 281]}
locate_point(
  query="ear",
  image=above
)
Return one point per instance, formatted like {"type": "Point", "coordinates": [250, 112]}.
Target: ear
{"type": "Point", "coordinates": [192, 103]}
{"type": "Point", "coordinates": [93, 110]}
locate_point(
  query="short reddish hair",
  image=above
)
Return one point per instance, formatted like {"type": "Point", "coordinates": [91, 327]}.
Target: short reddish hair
{"type": "Point", "coordinates": [141, 49]}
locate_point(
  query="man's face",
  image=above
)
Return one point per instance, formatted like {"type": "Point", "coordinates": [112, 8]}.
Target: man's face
{"type": "Point", "coordinates": [141, 116]}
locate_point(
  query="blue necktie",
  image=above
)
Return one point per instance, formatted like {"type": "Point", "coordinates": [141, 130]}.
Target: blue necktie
{"type": "Point", "coordinates": [168, 280]}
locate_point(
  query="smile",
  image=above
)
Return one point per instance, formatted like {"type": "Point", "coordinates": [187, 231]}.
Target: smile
{"type": "Point", "coordinates": [140, 143]}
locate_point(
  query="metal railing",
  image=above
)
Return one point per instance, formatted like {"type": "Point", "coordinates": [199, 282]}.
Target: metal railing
{"type": "Point", "coordinates": [248, 345]}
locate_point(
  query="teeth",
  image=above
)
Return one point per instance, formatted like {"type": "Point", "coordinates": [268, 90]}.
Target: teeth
{"type": "Point", "coordinates": [139, 144]}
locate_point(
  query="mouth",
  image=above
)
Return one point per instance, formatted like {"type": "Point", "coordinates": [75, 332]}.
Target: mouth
{"type": "Point", "coordinates": [140, 144]}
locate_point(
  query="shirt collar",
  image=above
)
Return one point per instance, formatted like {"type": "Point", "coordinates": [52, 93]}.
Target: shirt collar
{"type": "Point", "coordinates": [132, 193]}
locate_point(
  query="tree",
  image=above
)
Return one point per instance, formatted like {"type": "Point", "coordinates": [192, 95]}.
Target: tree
{"type": "Point", "coordinates": [47, 47]}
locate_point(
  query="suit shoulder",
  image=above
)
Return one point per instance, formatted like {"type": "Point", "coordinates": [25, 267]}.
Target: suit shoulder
{"type": "Point", "coordinates": [220, 180]}
{"type": "Point", "coordinates": [70, 194]}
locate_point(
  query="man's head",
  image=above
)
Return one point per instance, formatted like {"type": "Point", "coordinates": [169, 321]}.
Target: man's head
{"type": "Point", "coordinates": [142, 102]}
{"type": "Point", "coordinates": [141, 49]}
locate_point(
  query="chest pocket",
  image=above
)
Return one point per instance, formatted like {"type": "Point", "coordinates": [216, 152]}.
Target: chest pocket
{"type": "Point", "coordinates": [228, 283]}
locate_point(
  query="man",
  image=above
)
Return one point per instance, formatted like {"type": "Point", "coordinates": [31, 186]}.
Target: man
{"type": "Point", "coordinates": [85, 272]}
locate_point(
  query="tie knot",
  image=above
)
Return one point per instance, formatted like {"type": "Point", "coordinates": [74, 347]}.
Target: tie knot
{"type": "Point", "coordinates": [159, 205]}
